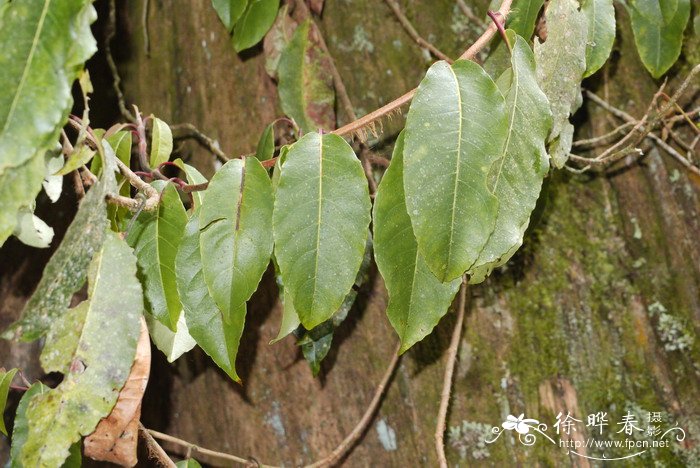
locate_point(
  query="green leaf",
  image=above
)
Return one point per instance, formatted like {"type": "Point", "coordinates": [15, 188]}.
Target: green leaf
{"type": "Point", "coordinates": [5, 381]}
{"type": "Point", "coordinates": [21, 428]}
{"type": "Point", "coordinates": [523, 162]}
{"type": "Point", "coordinates": [97, 363]}
{"type": "Point", "coordinates": [561, 63]}
{"type": "Point", "coordinates": [53, 184]}
{"type": "Point", "coordinates": [266, 144]}
{"type": "Point", "coordinates": [523, 17]}
{"type": "Point", "coordinates": [31, 230]}
{"type": "Point", "coordinates": [236, 234]}
{"type": "Point", "coordinates": [254, 23]}
{"type": "Point", "coordinates": [77, 158]}
{"type": "Point", "coordinates": [161, 143]}
{"type": "Point", "coordinates": [455, 130]}
{"type": "Point", "coordinates": [205, 321]}
{"type": "Point", "coordinates": [600, 15]}
{"type": "Point", "coordinates": [305, 82]}
{"type": "Point", "coordinates": [65, 272]}
{"type": "Point", "coordinates": [417, 299]}
{"type": "Point", "coordinates": [194, 177]}
{"type": "Point", "coordinates": [189, 463]}
{"type": "Point", "coordinates": [19, 186]}
{"type": "Point", "coordinates": [171, 343]}
{"type": "Point", "coordinates": [290, 318]}
{"type": "Point", "coordinates": [659, 35]}
{"type": "Point", "coordinates": [121, 142]}
{"type": "Point", "coordinates": [155, 238]}
{"type": "Point", "coordinates": [229, 11]}
{"type": "Point", "coordinates": [44, 45]}
{"type": "Point", "coordinates": [321, 215]}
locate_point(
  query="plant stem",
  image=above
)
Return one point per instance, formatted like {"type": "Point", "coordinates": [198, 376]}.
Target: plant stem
{"type": "Point", "coordinates": [393, 4]}
{"type": "Point", "coordinates": [447, 380]}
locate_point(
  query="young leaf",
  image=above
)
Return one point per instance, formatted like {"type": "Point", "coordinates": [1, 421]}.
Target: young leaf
{"type": "Point", "coordinates": [561, 63]}
{"type": "Point", "coordinates": [155, 238]}
{"type": "Point", "coordinates": [5, 381]}
{"type": "Point", "coordinates": [254, 23]}
{"type": "Point", "coordinates": [44, 46]}
{"type": "Point", "coordinates": [65, 272]}
{"type": "Point", "coordinates": [523, 162]}
{"type": "Point", "coordinates": [600, 15]}
{"type": "Point", "coordinates": [77, 158]}
{"type": "Point", "coordinates": [31, 230]}
{"type": "Point", "coordinates": [229, 11]}
{"type": "Point", "coordinates": [417, 299]}
{"type": "Point", "coordinates": [321, 215]}
{"type": "Point", "coordinates": [171, 343]}
{"type": "Point", "coordinates": [236, 234]}
{"type": "Point", "coordinates": [277, 39]}
{"type": "Point", "coordinates": [305, 82]}
{"type": "Point", "coordinates": [455, 130]}
{"type": "Point", "coordinates": [161, 143]}
{"type": "Point", "coordinates": [659, 34]}
{"type": "Point", "coordinates": [194, 177]}
{"type": "Point", "coordinates": [205, 321]}
{"type": "Point", "coordinates": [266, 144]}
{"type": "Point", "coordinates": [97, 363]}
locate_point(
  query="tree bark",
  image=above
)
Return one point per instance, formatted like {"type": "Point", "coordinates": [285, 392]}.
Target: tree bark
{"type": "Point", "coordinates": [587, 317]}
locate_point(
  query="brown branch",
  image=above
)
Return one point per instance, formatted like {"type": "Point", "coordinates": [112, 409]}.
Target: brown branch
{"type": "Point", "coordinates": [187, 130]}
{"type": "Point", "coordinates": [195, 449]}
{"type": "Point", "coordinates": [406, 24]}
{"type": "Point", "coordinates": [155, 451]}
{"type": "Point", "coordinates": [447, 380]}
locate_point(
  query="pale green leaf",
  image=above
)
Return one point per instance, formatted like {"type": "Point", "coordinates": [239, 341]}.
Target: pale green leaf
{"type": "Point", "coordinates": [561, 63]}
{"type": "Point", "coordinates": [229, 11]}
{"type": "Point", "coordinates": [455, 130]}
{"type": "Point", "coordinates": [658, 41]}
{"type": "Point", "coordinates": [417, 299]}
{"type": "Point", "coordinates": [5, 381]}
{"type": "Point", "coordinates": [44, 44]}
{"type": "Point", "coordinates": [523, 162]}
{"type": "Point", "coordinates": [600, 15]}
{"type": "Point", "coordinates": [171, 343]}
{"type": "Point", "coordinates": [76, 159]}
{"type": "Point", "coordinates": [155, 237]}
{"type": "Point", "coordinates": [205, 321]}
{"type": "Point", "coordinates": [321, 215]}
{"type": "Point", "coordinates": [121, 142]}
{"type": "Point", "coordinates": [32, 230]}
{"type": "Point", "coordinates": [194, 177]}
{"type": "Point", "coordinates": [97, 365]}
{"type": "Point", "coordinates": [189, 463]}
{"type": "Point", "coordinates": [254, 23]}
{"type": "Point", "coordinates": [290, 318]}
{"type": "Point", "coordinates": [266, 144]}
{"type": "Point", "coordinates": [161, 143]}
{"type": "Point", "coordinates": [523, 17]}
{"type": "Point", "coordinates": [236, 236]}
{"type": "Point", "coordinates": [62, 339]}
{"type": "Point", "coordinates": [305, 82]}
{"type": "Point", "coordinates": [65, 272]}
{"type": "Point", "coordinates": [53, 184]}
{"type": "Point", "coordinates": [20, 428]}
{"type": "Point", "coordinates": [19, 186]}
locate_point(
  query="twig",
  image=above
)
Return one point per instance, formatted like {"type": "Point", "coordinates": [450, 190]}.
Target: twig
{"type": "Point", "coordinates": [469, 54]}
{"type": "Point", "coordinates": [602, 139]}
{"type": "Point", "coordinates": [447, 381]}
{"type": "Point", "coordinates": [78, 185]}
{"type": "Point", "coordinates": [393, 4]}
{"type": "Point", "coordinates": [187, 130]}
{"type": "Point", "coordinates": [675, 154]}
{"type": "Point", "coordinates": [331, 459]}
{"type": "Point", "coordinates": [468, 11]}
{"type": "Point", "coordinates": [111, 29]}
{"type": "Point", "coordinates": [155, 451]}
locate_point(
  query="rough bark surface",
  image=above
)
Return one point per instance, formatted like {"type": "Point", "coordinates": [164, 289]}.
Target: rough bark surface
{"type": "Point", "coordinates": [568, 326]}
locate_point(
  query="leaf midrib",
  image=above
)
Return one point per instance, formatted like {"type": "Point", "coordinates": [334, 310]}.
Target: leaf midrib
{"type": "Point", "coordinates": [456, 178]}
{"type": "Point", "coordinates": [318, 219]}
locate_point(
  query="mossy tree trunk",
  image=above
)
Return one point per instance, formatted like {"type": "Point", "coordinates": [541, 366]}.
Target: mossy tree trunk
{"type": "Point", "coordinates": [600, 311]}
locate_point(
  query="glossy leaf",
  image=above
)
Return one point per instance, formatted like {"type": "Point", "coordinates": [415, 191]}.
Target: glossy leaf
{"type": "Point", "coordinates": [305, 82]}
{"type": "Point", "coordinates": [204, 319]}
{"type": "Point", "coordinates": [155, 237]}
{"type": "Point", "coordinates": [194, 177]}
{"type": "Point", "coordinates": [455, 130]}
{"type": "Point", "coordinates": [229, 11]}
{"type": "Point", "coordinates": [600, 15]}
{"type": "Point", "coordinates": [32, 231]}
{"type": "Point", "coordinates": [277, 39]}
{"type": "Point", "coordinates": [523, 162]}
{"type": "Point", "coordinates": [254, 23]}
{"type": "Point", "coordinates": [44, 46]}
{"type": "Point", "coordinates": [266, 144]}
{"type": "Point", "coordinates": [658, 32]}
{"type": "Point", "coordinates": [236, 235]}
{"type": "Point", "coordinates": [97, 363]}
{"type": "Point", "coordinates": [161, 143]}
{"type": "Point", "coordinates": [561, 63]}
{"type": "Point", "coordinates": [171, 343]}
{"type": "Point", "coordinates": [321, 215]}
{"type": "Point", "coordinates": [65, 272]}
{"type": "Point", "coordinates": [5, 381]}
{"type": "Point", "coordinates": [417, 299]}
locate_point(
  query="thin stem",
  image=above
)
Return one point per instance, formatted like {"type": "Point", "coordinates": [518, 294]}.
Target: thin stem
{"type": "Point", "coordinates": [447, 380]}
{"type": "Point", "coordinates": [499, 25]}
{"type": "Point", "coordinates": [187, 130]}
{"type": "Point", "coordinates": [393, 4]}
{"type": "Point", "coordinates": [194, 449]}
{"type": "Point", "coordinates": [155, 451]}
{"type": "Point", "coordinates": [111, 29]}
